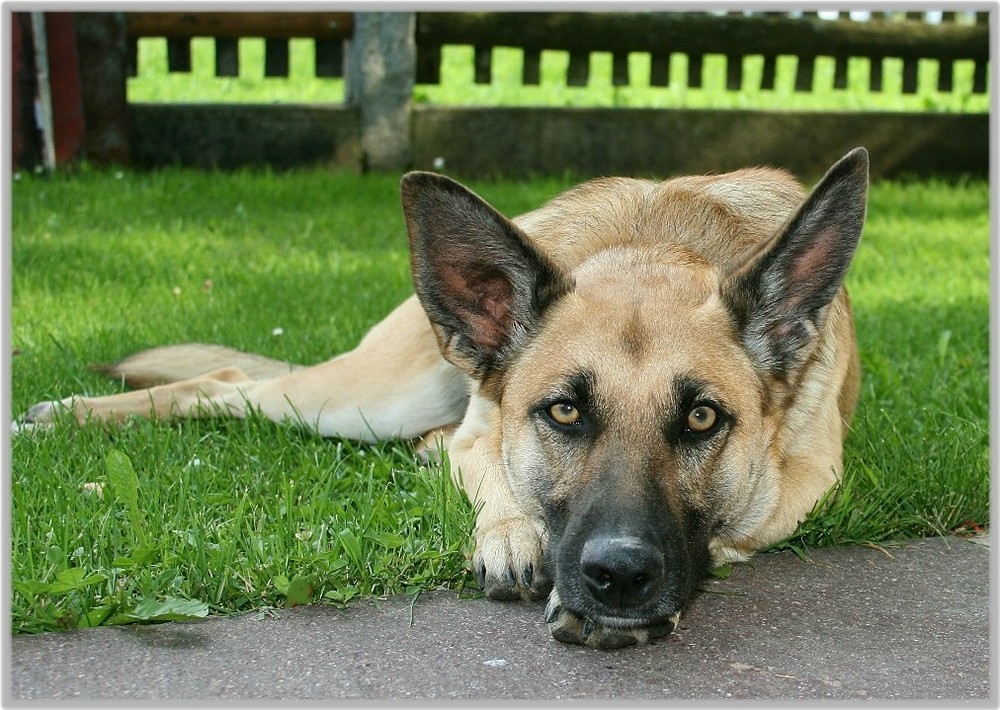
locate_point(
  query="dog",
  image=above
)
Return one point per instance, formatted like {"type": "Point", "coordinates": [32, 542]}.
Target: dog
{"type": "Point", "coordinates": [635, 382]}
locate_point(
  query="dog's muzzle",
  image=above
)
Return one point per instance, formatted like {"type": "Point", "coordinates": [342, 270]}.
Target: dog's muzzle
{"type": "Point", "coordinates": [616, 597]}
{"type": "Point", "coordinates": [621, 572]}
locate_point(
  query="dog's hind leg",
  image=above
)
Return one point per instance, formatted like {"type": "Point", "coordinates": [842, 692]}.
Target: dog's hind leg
{"type": "Point", "coordinates": [193, 397]}
{"type": "Point", "coordinates": [173, 363]}
{"type": "Point", "coordinates": [393, 384]}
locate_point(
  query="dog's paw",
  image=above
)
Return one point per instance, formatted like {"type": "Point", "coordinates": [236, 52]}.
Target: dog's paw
{"type": "Point", "coordinates": [508, 558]}
{"type": "Point", "coordinates": [23, 426]}
{"type": "Point", "coordinates": [431, 447]}
{"type": "Point", "coordinates": [44, 415]}
{"type": "Point", "coordinates": [569, 627]}
{"type": "Point", "coordinates": [46, 412]}
{"type": "Point", "coordinates": [40, 416]}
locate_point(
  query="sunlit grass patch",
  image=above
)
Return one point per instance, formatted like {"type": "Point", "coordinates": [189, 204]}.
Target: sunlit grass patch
{"type": "Point", "coordinates": [245, 514]}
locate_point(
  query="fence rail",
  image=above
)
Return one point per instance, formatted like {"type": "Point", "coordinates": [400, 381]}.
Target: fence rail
{"type": "Point", "coordinates": [734, 36]}
{"type": "Point", "coordinates": [909, 37]}
{"type": "Point", "coordinates": [328, 29]}
{"type": "Point", "coordinates": [383, 55]}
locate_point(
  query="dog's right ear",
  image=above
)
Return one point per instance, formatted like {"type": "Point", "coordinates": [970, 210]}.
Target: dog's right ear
{"type": "Point", "coordinates": [779, 297]}
{"type": "Point", "coordinates": [482, 282]}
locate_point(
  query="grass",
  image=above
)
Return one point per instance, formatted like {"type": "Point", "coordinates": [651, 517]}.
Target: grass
{"type": "Point", "coordinates": [234, 512]}
{"type": "Point", "coordinates": [918, 458]}
{"type": "Point", "coordinates": [155, 84]}
{"type": "Point", "coordinates": [220, 516]}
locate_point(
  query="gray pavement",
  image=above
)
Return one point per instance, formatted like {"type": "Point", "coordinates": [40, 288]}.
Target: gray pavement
{"type": "Point", "coordinates": [910, 622]}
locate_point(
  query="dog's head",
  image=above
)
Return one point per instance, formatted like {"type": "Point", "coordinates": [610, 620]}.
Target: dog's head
{"type": "Point", "coordinates": [639, 388]}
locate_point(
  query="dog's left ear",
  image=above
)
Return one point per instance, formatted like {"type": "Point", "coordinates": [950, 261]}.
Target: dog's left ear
{"type": "Point", "coordinates": [779, 297]}
{"type": "Point", "coordinates": [481, 280]}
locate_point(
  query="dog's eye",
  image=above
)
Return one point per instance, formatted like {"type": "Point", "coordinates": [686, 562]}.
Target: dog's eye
{"type": "Point", "coordinates": [701, 419]}
{"type": "Point", "coordinates": [564, 414]}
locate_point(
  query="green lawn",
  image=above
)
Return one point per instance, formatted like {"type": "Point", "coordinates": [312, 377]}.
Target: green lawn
{"type": "Point", "coordinates": [222, 516]}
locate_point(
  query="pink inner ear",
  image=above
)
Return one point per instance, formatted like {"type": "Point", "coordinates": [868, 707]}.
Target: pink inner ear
{"type": "Point", "coordinates": [494, 294]}
{"type": "Point", "coordinates": [482, 300]}
{"type": "Point", "coordinates": [810, 263]}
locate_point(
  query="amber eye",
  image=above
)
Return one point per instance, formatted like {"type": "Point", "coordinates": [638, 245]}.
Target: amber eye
{"type": "Point", "coordinates": [701, 419]}
{"type": "Point", "coordinates": [564, 413]}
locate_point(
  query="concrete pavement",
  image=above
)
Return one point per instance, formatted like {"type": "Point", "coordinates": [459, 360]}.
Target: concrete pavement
{"type": "Point", "coordinates": [908, 622]}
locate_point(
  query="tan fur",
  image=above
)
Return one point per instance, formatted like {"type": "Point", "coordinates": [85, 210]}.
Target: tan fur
{"type": "Point", "coordinates": [640, 273]}
{"type": "Point", "coordinates": [173, 363]}
{"type": "Point", "coordinates": [721, 217]}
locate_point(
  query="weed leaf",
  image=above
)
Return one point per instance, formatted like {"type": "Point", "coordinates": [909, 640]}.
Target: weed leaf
{"type": "Point", "coordinates": [722, 571]}
{"type": "Point", "coordinates": [388, 539]}
{"type": "Point", "coordinates": [300, 591]}
{"type": "Point", "coordinates": [125, 484]}
{"type": "Point", "coordinates": [351, 545]}
{"type": "Point", "coordinates": [281, 584]}
{"type": "Point", "coordinates": [96, 616]}
{"type": "Point", "coordinates": [67, 580]}
{"type": "Point", "coordinates": [170, 609]}
{"type": "Point", "coordinates": [122, 478]}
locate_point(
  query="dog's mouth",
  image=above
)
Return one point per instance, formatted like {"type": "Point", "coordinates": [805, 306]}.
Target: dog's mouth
{"type": "Point", "coordinates": [620, 590]}
{"type": "Point", "coordinates": [623, 572]}
{"type": "Point", "coordinates": [601, 630]}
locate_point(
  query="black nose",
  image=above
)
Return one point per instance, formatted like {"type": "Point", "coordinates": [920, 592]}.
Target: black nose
{"type": "Point", "coordinates": [621, 571]}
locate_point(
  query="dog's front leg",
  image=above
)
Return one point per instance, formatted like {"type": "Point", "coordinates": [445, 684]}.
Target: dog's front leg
{"type": "Point", "coordinates": [510, 536]}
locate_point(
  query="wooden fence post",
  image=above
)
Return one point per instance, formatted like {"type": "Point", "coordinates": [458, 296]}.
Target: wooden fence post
{"type": "Point", "coordinates": [380, 75]}
{"type": "Point", "coordinates": [102, 45]}
{"type": "Point", "coordinates": [26, 141]}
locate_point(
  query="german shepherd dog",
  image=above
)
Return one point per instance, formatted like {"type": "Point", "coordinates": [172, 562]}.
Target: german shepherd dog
{"type": "Point", "coordinates": [634, 382]}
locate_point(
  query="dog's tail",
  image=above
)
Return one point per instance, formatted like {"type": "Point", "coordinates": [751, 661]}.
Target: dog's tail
{"type": "Point", "coordinates": [172, 363]}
